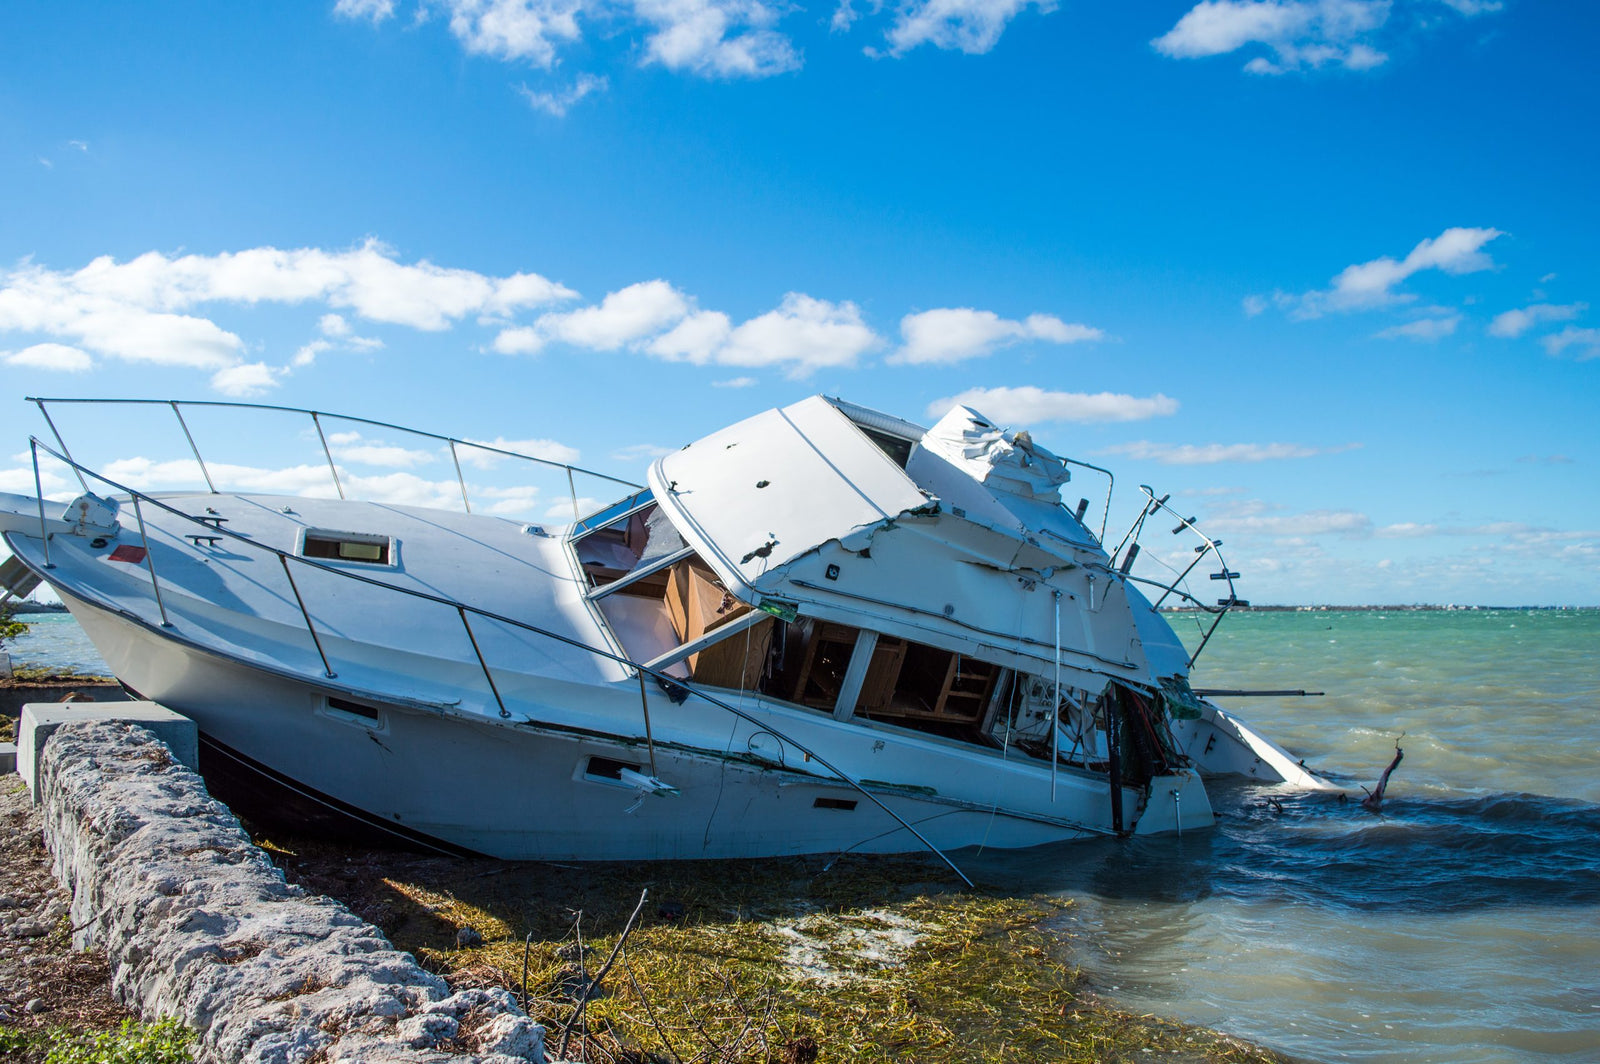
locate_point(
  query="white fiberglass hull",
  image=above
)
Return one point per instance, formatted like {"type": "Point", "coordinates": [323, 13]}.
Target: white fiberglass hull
{"type": "Point", "coordinates": [523, 792]}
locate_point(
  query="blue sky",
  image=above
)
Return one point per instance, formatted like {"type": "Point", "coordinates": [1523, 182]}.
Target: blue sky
{"type": "Point", "coordinates": [1322, 269]}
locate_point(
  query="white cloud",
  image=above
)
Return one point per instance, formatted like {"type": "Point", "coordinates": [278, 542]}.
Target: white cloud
{"type": "Point", "coordinates": [353, 447]}
{"type": "Point", "coordinates": [527, 30]}
{"type": "Point", "coordinates": [1299, 34]}
{"type": "Point", "coordinates": [1367, 285]}
{"type": "Point", "coordinates": [953, 334]}
{"type": "Point", "coordinates": [736, 382]}
{"type": "Point", "coordinates": [559, 103]}
{"type": "Point", "coordinates": [803, 334]}
{"type": "Point", "coordinates": [1310, 523]}
{"type": "Point", "coordinates": [139, 310]}
{"type": "Point", "coordinates": [1587, 340]}
{"type": "Point", "coordinates": [56, 357]}
{"type": "Point", "coordinates": [1471, 8]}
{"type": "Point", "coordinates": [624, 317]}
{"type": "Point", "coordinates": [1423, 329]}
{"type": "Point", "coordinates": [1211, 453]}
{"type": "Point", "coordinates": [1514, 323]}
{"type": "Point", "coordinates": [374, 11]}
{"type": "Point", "coordinates": [522, 340]}
{"type": "Point", "coordinates": [549, 450]}
{"type": "Point", "coordinates": [307, 354]}
{"type": "Point", "coordinates": [696, 338]}
{"type": "Point", "coordinates": [970, 26]}
{"type": "Point", "coordinates": [1028, 405]}
{"type": "Point", "coordinates": [245, 381]}
{"type": "Point", "coordinates": [716, 38]}
{"type": "Point", "coordinates": [1253, 305]}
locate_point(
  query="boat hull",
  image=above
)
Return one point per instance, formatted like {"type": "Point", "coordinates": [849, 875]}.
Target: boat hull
{"type": "Point", "coordinates": [523, 792]}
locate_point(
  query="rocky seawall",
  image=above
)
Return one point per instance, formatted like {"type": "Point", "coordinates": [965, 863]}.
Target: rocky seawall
{"type": "Point", "coordinates": [197, 923]}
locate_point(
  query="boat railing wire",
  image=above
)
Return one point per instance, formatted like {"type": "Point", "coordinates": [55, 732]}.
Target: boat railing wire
{"type": "Point", "coordinates": [1129, 549]}
{"type": "Point", "coordinates": [211, 528]}
{"type": "Point", "coordinates": [455, 444]}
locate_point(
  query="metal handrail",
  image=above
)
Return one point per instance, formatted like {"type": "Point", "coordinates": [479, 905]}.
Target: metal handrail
{"type": "Point", "coordinates": [284, 557]}
{"type": "Point", "coordinates": [1111, 486]}
{"type": "Point", "coordinates": [316, 416]}
{"type": "Point", "coordinates": [1209, 548]}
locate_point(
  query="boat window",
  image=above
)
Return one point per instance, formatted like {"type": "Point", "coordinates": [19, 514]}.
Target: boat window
{"type": "Point", "coordinates": [898, 449]}
{"type": "Point", "coordinates": [632, 539]}
{"type": "Point", "coordinates": [347, 546]}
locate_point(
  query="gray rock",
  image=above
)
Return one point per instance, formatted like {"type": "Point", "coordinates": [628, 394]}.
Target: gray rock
{"type": "Point", "coordinates": [35, 1006]}
{"type": "Point", "coordinates": [197, 923]}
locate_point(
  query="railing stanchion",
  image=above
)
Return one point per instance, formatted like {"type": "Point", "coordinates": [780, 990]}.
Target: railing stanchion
{"type": "Point", "coordinates": [572, 489]}
{"type": "Point", "coordinates": [459, 478]}
{"type": "Point", "coordinates": [48, 420]}
{"type": "Point", "coordinates": [484, 665]}
{"type": "Point", "coordinates": [188, 436]}
{"type": "Point", "coordinates": [38, 491]}
{"type": "Point", "coordinates": [150, 562]}
{"type": "Point", "coordinates": [649, 739]}
{"type": "Point", "coordinates": [326, 668]}
{"type": "Point", "coordinates": [331, 467]}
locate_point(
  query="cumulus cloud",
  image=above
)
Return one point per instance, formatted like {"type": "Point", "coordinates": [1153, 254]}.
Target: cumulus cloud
{"type": "Point", "coordinates": [954, 334]}
{"type": "Point", "coordinates": [560, 102]}
{"type": "Point", "coordinates": [1298, 34]}
{"type": "Point", "coordinates": [716, 38]}
{"type": "Point", "coordinates": [1586, 341]}
{"type": "Point", "coordinates": [736, 382]}
{"type": "Point", "coordinates": [709, 38]}
{"type": "Point", "coordinates": [140, 310]}
{"type": "Point", "coordinates": [1423, 329]}
{"type": "Point", "coordinates": [1211, 453]}
{"type": "Point", "coordinates": [970, 26]}
{"type": "Point", "coordinates": [1028, 405]}
{"type": "Point", "coordinates": [1514, 323]}
{"type": "Point", "coordinates": [58, 358]}
{"type": "Point", "coordinates": [246, 381]}
{"type": "Point", "coordinates": [549, 450]}
{"type": "Point", "coordinates": [802, 335]}
{"type": "Point", "coordinates": [624, 316]}
{"type": "Point", "coordinates": [1372, 284]}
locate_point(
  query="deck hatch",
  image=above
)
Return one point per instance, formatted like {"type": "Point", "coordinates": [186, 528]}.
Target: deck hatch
{"type": "Point", "coordinates": [365, 547]}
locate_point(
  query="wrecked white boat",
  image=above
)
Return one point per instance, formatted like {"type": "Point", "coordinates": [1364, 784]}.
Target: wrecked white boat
{"type": "Point", "coordinates": [821, 629]}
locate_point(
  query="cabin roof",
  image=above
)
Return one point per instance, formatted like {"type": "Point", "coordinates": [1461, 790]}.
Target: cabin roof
{"type": "Point", "coordinates": [766, 490]}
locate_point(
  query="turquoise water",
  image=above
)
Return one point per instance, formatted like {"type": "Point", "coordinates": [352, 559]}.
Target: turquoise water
{"type": "Point", "coordinates": [1460, 926]}
{"type": "Point", "coordinates": [54, 640]}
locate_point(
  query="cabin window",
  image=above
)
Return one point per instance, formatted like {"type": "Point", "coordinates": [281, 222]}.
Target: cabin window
{"type": "Point", "coordinates": [898, 449]}
{"type": "Point", "coordinates": [628, 536]}
{"type": "Point", "coordinates": [347, 546]}
{"type": "Point", "coordinates": [604, 768]}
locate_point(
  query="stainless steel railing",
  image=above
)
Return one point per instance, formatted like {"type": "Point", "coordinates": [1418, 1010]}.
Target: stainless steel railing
{"type": "Point", "coordinates": [462, 609]}
{"type": "Point", "coordinates": [1208, 548]}
{"type": "Point", "coordinates": [177, 406]}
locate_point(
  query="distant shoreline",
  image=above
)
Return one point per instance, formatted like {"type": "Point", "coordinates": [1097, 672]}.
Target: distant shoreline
{"type": "Point", "coordinates": [1412, 608]}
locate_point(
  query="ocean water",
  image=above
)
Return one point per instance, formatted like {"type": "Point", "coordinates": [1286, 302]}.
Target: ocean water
{"type": "Point", "coordinates": [1460, 924]}
{"type": "Point", "coordinates": [54, 640]}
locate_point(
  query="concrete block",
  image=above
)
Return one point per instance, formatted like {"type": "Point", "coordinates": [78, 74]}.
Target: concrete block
{"type": "Point", "coordinates": [40, 720]}
{"type": "Point", "coordinates": [8, 758]}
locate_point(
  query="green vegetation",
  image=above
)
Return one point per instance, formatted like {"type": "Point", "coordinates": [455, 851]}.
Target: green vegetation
{"type": "Point", "coordinates": [56, 675]}
{"type": "Point", "coordinates": [162, 1042]}
{"type": "Point", "coordinates": [778, 960]}
{"type": "Point", "coordinates": [10, 628]}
